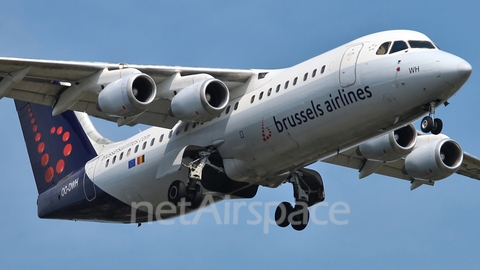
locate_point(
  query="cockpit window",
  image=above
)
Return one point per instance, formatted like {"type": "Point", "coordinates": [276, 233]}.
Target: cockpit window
{"type": "Point", "coordinates": [421, 44]}
{"type": "Point", "coordinates": [398, 45]}
{"type": "Point", "coordinates": [383, 49]}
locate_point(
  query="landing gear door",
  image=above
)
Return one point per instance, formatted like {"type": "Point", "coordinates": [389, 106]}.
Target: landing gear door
{"type": "Point", "coordinates": [88, 185]}
{"type": "Point", "coordinates": [348, 65]}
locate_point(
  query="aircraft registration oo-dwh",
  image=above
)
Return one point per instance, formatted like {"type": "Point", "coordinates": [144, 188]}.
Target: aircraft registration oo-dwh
{"type": "Point", "coordinates": [222, 133]}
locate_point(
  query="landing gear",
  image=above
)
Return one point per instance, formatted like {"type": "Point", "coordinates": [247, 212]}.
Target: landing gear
{"type": "Point", "coordinates": [431, 124]}
{"type": "Point", "coordinates": [192, 191]}
{"type": "Point", "coordinates": [307, 190]}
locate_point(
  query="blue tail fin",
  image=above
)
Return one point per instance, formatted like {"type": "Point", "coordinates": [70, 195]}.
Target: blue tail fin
{"type": "Point", "coordinates": [56, 145]}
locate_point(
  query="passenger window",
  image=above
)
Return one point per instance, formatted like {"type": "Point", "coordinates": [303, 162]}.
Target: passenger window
{"type": "Point", "coordinates": [278, 88]}
{"type": "Point", "coordinates": [295, 81]}
{"type": "Point", "coordinates": [235, 107]}
{"type": "Point", "coordinates": [106, 163]}
{"type": "Point", "coordinates": [252, 99]}
{"type": "Point", "coordinates": [170, 134]}
{"type": "Point", "coordinates": [305, 76]}
{"type": "Point", "coordinates": [129, 151]}
{"type": "Point", "coordinates": [227, 110]}
{"type": "Point", "coordinates": [186, 128]}
{"type": "Point", "coordinates": [177, 131]}
{"type": "Point", "coordinates": [114, 159]}
{"type": "Point", "coordinates": [260, 96]}
{"type": "Point", "coordinates": [136, 149]}
{"type": "Point", "coordinates": [383, 49]}
{"type": "Point", "coordinates": [161, 138]}
{"type": "Point", "coordinates": [286, 84]}
{"type": "Point", "coordinates": [152, 142]}
{"type": "Point", "coordinates": [314, 73]}
{"type": "Point", "coordinates": [269, 92]}
{"type": "Point", "coordinates": [194, 125]}
{"type": "Point", "coordinates": [121, 156]}
{"type": "Point", "coordinates": [398, 45]}
{"type": "Point", "coordinates": [144, 145]}
{"type": "Point", "coordinates": [323, 69]}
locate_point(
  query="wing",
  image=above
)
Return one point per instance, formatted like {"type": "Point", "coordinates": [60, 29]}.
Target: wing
{"type": "Point", "coordinates": [349, 158]}
{"type": "Point", "coordinates": [43, 81]}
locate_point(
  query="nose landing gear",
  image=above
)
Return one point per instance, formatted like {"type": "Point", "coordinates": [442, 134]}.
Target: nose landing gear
{"type": "Point", "coordinates": [430, 123]}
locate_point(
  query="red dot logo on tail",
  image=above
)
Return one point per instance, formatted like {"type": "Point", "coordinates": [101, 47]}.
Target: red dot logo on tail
{"type": "Point", "coordinates": [43, 149]}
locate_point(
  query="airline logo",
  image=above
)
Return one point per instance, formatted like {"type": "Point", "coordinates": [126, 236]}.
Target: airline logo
{"type": "Point", "coordinates": [51, 166]}
{"type": "Point", "coordinates": [136, 161]}
{"type": "Point", "coordinates": [266, 132]}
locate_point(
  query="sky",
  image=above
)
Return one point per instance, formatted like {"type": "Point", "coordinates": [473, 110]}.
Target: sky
{"type": "Point", "coordinates": [388, 226]}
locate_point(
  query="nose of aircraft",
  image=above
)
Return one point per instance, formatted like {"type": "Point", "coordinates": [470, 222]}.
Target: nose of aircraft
{"type": "Point", "coordinates": [454, 70]}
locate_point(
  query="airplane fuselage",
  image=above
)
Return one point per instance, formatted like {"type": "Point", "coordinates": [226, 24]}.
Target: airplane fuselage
{"type": "Point", "coordinates": [288, 119]}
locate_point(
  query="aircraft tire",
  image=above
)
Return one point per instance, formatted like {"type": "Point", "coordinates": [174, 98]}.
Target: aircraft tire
{"type": "Point", "coordinates": [176, 192]}
{"type": "Point", "coordinates": [282, 214]}
{"type": "Point", "coordinates": [427, 124]}
{"type": "Point", "coordinates": [300, 218]}
{"type": "Point", "coordinates": [196, 197]}
{"type": "Point", "coordinates": [437, 126]}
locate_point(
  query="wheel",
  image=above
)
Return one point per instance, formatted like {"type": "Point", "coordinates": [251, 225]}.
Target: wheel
{"type": "Point", "coordinates": [196, 197]}
{"type": "Point", "coordinates": [282, 213]}
{"type": "Point", "coordinates": [427, 124]}
{"type": "Point", "coordinates": [176, 191]}
{"type": "Point", "coordinates": [437, 126]}
{"type": "Point", "coordinates": [300, 217]}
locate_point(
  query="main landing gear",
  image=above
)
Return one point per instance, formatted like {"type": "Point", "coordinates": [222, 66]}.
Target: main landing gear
{"type": "Point", "coordinates": [430, 123]}
{"type": "Point", "coordinates": [192, 191]}
{"type": "Point", "coordinates": [306, 193]}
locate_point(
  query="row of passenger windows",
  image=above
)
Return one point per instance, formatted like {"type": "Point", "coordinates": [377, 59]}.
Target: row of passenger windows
{"type": "Point", "coordinates": [401, 45]}
{"type": "Point", "coordinates": [286, 84]}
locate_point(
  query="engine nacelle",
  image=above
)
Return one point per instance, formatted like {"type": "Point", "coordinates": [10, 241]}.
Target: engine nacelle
{"type": "Point", "coordinates": [128, 96]}
{"type": "Point", "coordinates": [201, 101]}
{"type": "Point", "coordinates": [391, 146]}
{"type": "Point", "coordinates": [435, 160]}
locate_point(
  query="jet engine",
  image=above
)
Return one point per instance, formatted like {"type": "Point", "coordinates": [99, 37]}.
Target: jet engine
{"type": "Point", "coordinates": [201, 101]}
{"type": "Point", "coordinates": [435, 160]}
{"type": "Point", "coordinates": [391, 146]}
{"type": "Point", "coordinates": [128, 96]}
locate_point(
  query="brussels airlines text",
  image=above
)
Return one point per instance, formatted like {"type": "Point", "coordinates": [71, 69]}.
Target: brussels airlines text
{"type": "Point", "coordinates": [342, 99]}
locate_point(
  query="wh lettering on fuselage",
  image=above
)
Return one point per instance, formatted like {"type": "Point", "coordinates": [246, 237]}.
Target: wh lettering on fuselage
{"type": "Point", "coordinates": [414, 69]}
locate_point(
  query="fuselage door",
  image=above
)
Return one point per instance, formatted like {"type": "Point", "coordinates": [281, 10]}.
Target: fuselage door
{"type": "Point", "coordinates": [88, 185]}
{"type": "Point", "coordinates": [348, 65]}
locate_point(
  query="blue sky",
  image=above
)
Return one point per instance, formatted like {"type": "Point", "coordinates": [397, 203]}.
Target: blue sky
{"type": "Point", "coordinates": [389, 226]}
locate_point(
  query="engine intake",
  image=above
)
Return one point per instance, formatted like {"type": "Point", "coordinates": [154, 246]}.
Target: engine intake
{"type": "Point", "coordinates": [128, 96]}
{"type": "Point", "coordinates": [391, 146]}
{"type": "Point", "coordinates": [434, 161]}
{"type": "Point", "coordinates": [201, 101]}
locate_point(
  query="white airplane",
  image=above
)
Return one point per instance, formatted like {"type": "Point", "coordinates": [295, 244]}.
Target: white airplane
{"type": "Point", "coordinates": [222, 133]}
